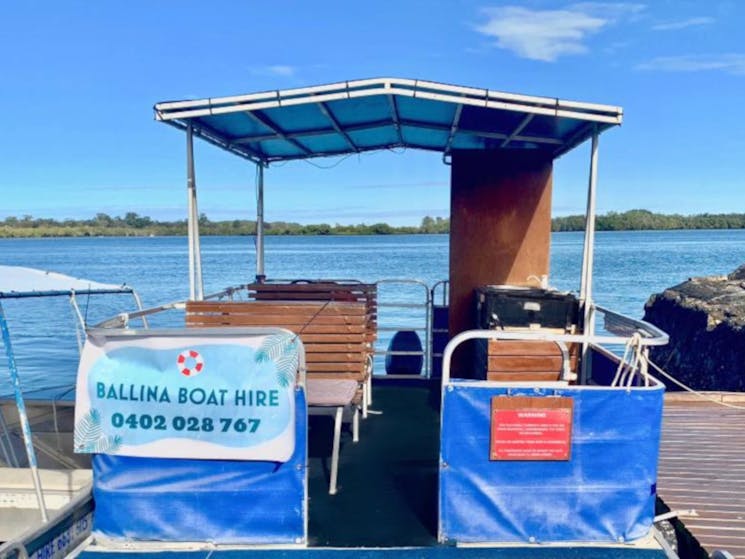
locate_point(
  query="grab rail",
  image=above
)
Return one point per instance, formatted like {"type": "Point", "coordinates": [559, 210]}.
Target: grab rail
{"type": "Point", "coordinates": [649, 336]}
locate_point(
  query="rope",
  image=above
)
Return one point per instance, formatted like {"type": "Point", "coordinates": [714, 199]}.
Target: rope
{"type": "Point", "coordinates": [691, 390]}
{"type": "Point", "coordinates": [311, 319]}
{"type": "Point", "coordinates": [629, 364]}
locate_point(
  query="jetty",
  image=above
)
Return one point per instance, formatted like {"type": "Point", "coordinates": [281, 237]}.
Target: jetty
{"type": "Point", "coordinates": [702, 467]}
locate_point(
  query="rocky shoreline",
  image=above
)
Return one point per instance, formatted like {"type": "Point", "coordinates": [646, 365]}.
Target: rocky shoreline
{"type": "Point", "coordinates": [705, 318]}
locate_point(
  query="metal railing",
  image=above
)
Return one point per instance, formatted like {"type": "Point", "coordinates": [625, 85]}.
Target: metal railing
{"type": "Point", "coordinates": [625, 330]}
{"type": "Point", "coordinates": [444, 298]}
{"type": "Point", "coordinates": [619, 328]}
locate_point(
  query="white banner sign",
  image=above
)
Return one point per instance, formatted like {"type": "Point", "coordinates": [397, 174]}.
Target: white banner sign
{"type": "Point", "coordinates": [219, 396]}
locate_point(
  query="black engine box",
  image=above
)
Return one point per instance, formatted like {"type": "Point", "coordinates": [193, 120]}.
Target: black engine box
{"type": "Point", "coordinates": [515, 306]}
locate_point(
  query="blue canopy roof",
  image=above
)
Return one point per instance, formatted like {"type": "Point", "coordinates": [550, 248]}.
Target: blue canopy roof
{"type": "Point", "coordinates": [384, 113]}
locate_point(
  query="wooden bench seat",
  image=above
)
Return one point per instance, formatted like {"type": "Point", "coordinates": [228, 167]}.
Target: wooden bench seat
{"type": "Point", "coordinates": [337, 339]}
{"type": "Point", "coordinates": [335, 334]}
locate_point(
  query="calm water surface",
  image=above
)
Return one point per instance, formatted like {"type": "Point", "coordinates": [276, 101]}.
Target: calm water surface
{"type": "Point", "coordinates": [629, 267]}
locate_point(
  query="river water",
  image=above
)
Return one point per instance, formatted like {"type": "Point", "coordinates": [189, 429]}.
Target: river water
{"type": "Point", "coordinates": [629, 267]}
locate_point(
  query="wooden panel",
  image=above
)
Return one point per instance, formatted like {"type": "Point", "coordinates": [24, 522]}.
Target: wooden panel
{"type": "Point", "coordinates": [315, 347]}
{"type": "Point", "coordinates": [315, 286]}
{"type": "Point", "coordinates": [276, 319]}
{"type": "Point", "coordinates": [242, 320]}
{"type": "Point", "coordinates": [318, 373]}
{"type": "Point", "coordinates": [519, 347]}
{"type": "Point", "coordinates": [537, 376]}
{"type": "Point", "coordinates": [333, 367]}
{"type": "Point", "coordinates": [333, 338]}
{"type": "Point", "coordinates": [500, 227]}
{"type": "Point", "coordinates": [327, 357]}
{"type": "Point", "coordinates": [302, 296]}
{"type": "Point", "coordinates": [524, 363]}
{"type": "Point", "coordinates": [263, 307]}
{"type": "Point", "coordinates": [512, 360]}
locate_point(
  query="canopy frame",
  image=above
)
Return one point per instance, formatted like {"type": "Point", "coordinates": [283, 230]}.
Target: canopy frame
{"type": "Point", "coordinates": [243, 125]}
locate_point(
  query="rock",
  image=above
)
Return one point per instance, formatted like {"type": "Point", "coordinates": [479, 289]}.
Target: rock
{"type": "Point", "coordinates": [705, 318]}
{"type": "Point", "coordinates": [738, 274]}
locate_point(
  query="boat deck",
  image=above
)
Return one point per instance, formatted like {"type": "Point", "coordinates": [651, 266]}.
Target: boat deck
{"type": "Point", "coordinates": [387, 481]}
{"type": "Point", "coordinates": [702, 467]}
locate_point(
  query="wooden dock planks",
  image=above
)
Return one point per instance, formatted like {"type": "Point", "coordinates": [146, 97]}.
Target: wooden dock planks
{"type": "Point", "coordinates": [702, 467]}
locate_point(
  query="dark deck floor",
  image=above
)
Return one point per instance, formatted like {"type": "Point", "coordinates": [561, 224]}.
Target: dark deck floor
{"type": "Point", "coordinates": [702, 467]}
{"type": "Point", "coordinates": [387, 481]}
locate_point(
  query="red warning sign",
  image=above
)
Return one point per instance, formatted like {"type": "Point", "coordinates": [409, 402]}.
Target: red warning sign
{"type": "Point", "coordinates": [531, 428]}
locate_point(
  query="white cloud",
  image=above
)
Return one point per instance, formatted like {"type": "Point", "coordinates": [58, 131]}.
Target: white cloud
{"type": "Point", "coordinates": [676, 25]}
{"type": "Point", "coordinates": [731, 63]}
{"type": "Point", "coordinates": [548, 34]}
{"type": "Point", "coordinates": [281, 70]}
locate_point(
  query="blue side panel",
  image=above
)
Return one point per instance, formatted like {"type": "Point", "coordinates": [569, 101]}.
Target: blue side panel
{"type": "Point", "coordinates": [435, 552]}
{"type": "Point", "coordinates": [221, 501]}
{"type": "Point", "coordinates": [604, 493]}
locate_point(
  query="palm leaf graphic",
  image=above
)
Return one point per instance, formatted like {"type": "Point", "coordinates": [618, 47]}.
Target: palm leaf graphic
{"type": "Point", "coordinates": [88, 430]}
{"type": "Point", "coordinates": [106, 444]}
{"type": "Point", "coordinates": [273, 347]}
{"type": "Point", "coordinates": [286, 368]}
{"type": "Point", "coordinates": [281, 349]}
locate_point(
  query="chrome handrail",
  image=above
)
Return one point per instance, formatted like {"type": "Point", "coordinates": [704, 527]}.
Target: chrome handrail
{"type": "Point", "coordinates": [649, 336]}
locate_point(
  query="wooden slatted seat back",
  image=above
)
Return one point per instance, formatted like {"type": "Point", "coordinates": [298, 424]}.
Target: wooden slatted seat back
{"type": "Point", "coordinates": [522, 360]}
{"type": "Point", "coordinates": [322, 291]}
{"type": "Point", "coordinates": [335, 333]}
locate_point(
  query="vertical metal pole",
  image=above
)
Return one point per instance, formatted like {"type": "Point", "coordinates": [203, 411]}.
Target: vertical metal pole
{"type": "Point", "coordinates": [138, 302]}
{"type": "Point", "coordinates": [22, 416]}
{"type": "Point", "coordinates": [585, 291]}
{"type": "Point", "coordinates": [199, 283]}
{"type": "Point", "coordinates": [197, 251]}
{"type": "Point", "coordinates": [190, 211]}
{"type": "Point", "coordinates": [428, 337]}
{"type": "Point", "coordinates": [260, 276]}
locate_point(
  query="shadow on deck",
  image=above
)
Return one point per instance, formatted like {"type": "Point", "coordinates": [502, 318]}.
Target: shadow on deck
{"type": "Point", "coordinates": [387, 481]}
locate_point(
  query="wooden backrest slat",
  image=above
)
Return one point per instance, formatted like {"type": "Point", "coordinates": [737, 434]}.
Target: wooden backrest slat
{"type": "Point", "coordinates": [359, 330]}
{"type": "Point", "coordinates": [337, 335]}
{"type": "Point", "coordinates": [298, 322]}
{"type": "Point", "coordinates": [295, 307]}
{"type": "Point", "coordinates": [333, 347]}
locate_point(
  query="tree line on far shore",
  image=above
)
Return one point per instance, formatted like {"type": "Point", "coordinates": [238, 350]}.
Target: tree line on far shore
{"type": "Point", "coordinates": [133, 224]}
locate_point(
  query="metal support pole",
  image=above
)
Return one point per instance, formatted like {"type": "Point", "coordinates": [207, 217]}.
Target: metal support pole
{"type": "Point", "coordinates": [585, 291]}
{"type": "Point", "coordinates": [190, 212]}
{"type": "Point", "coordinates": [196, 286]}
{"type": "Point", "coordinates": [22, 416]}
{"type": "Point", "coordinates": [260, 276]}
{"type": "Point", "coordinates": [138, 302]}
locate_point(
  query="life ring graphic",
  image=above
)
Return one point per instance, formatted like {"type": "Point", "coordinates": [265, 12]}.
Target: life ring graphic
{"type": "Point", "coordinates": [190, 363]}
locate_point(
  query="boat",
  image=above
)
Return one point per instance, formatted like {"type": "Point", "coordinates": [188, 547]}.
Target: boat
{"type": "Point", "coordinates": [39, 475]}
{"type": "Point", "coordinates": [261, 428]}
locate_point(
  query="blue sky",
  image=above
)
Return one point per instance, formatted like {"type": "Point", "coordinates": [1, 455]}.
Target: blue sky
{"type": "Point", "coordinates": [78, 81]}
